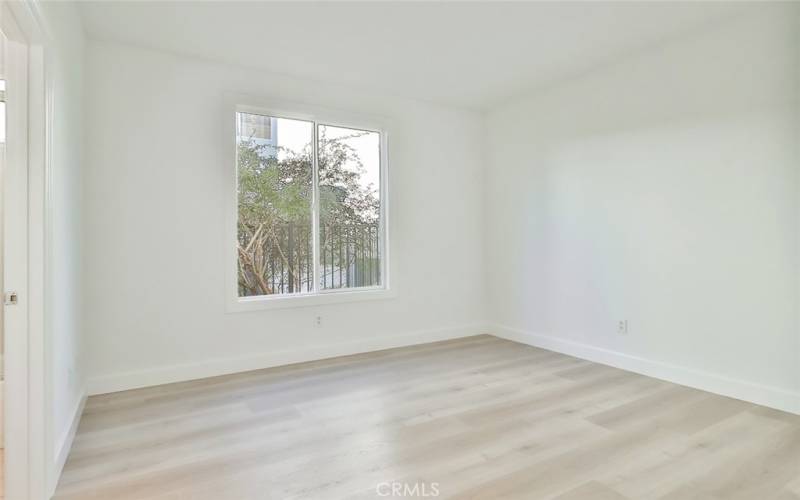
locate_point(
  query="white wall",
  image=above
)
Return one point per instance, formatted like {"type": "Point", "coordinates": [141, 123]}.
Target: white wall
{"type": "Point", "coordinates": [154, 242]}
{"type": "Point", "coordinates": [65, 52]}
{"type": "Point", "coordinates": [662, 190]}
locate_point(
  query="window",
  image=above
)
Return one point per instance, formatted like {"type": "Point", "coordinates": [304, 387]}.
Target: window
{"type": "Point", "coordinates": [310, 215]}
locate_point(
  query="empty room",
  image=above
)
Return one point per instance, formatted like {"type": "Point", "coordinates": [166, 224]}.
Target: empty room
{"type": "Point", "coordinates": [360, 250]}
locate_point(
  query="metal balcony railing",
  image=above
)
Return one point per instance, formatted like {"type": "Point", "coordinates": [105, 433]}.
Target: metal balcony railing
{"type": "Point", "coordinates": [349, 257]}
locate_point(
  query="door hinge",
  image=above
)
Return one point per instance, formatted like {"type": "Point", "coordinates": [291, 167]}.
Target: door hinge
{"type": "Point", "coordinates": [11, 298]}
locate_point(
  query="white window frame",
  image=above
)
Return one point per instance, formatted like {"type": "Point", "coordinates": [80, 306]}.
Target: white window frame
{"type": "Point", "coordinates": [318, 116]}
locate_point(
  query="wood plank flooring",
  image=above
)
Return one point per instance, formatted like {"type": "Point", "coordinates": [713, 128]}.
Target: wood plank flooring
{"type": "Point", "coordinates": [474, 418]}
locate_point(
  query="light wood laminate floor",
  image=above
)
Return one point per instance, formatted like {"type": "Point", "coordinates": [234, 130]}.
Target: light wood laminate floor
{"type": "Point", "coordinates": [479, 418]}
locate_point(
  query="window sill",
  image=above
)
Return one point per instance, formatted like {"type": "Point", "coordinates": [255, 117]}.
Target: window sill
{"type": "Point", "coordinates": [262, 303]}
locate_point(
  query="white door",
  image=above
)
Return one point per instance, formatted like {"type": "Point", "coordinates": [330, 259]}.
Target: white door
{"type": "Point", "coordinates": [15, 263]}
{"type": "Point", "coordinates": [2, 169]}
{"type": "Point", "coordinates": [29, 474]}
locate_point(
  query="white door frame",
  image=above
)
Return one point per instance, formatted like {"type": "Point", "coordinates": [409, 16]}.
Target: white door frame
{"type": "Point", "coordinates": [28, 434]}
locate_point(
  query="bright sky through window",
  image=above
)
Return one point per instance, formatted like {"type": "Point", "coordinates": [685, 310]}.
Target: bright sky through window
{"type": "Point", "coordinates": [294, 136]}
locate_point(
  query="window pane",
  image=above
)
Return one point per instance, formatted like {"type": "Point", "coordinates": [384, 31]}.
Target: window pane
{"type": "Point", "coordinates": [275, 193]}
{"type": "Point", "coordinates": [349, 190]}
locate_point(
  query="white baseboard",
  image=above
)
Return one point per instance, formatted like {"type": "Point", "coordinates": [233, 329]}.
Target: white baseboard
{"type": "Point", "coordinates": [65, 443]}
{"type": "Point", "coordinates": [773, 397]}
{"type": "Point", "coordinates": [214, 367]}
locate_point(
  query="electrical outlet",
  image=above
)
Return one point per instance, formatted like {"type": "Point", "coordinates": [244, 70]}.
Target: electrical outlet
{"type": "Point", "coordinates": [622, 327]}
{"type": "Point", "coordinates": [318, 321]}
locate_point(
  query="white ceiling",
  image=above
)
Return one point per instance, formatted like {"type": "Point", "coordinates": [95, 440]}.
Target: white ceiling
{"type": "Point", "coordinates": [467, 54]}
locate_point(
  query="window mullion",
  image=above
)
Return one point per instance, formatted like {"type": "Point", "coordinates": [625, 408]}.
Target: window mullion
{"type": "Point", "coordinates": [315, 207]}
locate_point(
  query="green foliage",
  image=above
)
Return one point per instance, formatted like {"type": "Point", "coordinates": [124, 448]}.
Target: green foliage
{"type": "Point", "coordinates": [342, 198]}
{"type": "Point", "coordinates": [271, 191]}
{"type": "Point", "coordinates": [275, 191]}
